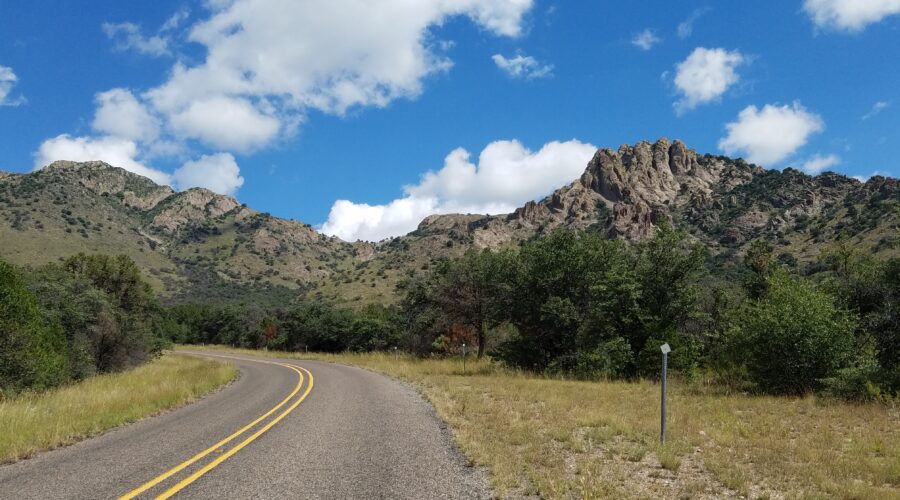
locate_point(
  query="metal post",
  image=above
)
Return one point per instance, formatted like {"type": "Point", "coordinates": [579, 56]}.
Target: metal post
{"type": "Point", "coordinates": [662, 414]}
{"type": "Point", "coordinates": [464, 357]}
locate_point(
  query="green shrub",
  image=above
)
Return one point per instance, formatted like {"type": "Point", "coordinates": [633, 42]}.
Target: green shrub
{"type": "Point", "coordinates": [793, 336]}
{"type": "Point", "coordinates": [32, 347]}
{"type": "Point", "coordinates": [857, 382]}
{"type": "Point", "coordinates": [610, 360]}
{"type": "Point", "coordinates": [684, 358]}
{"type": "Point", "coordinates": [586, 305]}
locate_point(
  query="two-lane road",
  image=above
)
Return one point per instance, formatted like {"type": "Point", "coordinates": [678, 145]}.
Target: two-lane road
{"type": "Point", "coordinates": [284, 429]}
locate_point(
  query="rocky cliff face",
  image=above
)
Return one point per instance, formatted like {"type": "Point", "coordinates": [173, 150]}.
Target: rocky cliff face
{"type": "Point", "coordinates": [190, 206]}
{"type": "Point", "coordinates": [625, 193]}
{"type": "Point", "coordinates": [197, 243]}
{"type": "Point", "coordinates": [725, 203]}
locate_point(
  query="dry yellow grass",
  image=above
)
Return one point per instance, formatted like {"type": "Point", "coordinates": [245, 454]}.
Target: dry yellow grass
{"type": "Point", "coordinates": [561, 438]}
{"type": "Point", "coordinates": [41, 421]}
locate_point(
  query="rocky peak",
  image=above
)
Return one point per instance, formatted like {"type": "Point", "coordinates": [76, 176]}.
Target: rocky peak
{"type": "Point", "coordinates": [193, 205]}
{"type": "Point", "coordinates": [631, 190]}
{"type": "Point", "coordinates": [434, 224]}
{"type": "Point", "coordinates": [884, 186]}
{"type": "Point", "coordinates": [76, 165]}
{"type": "Point", "coordinates": [103, 179]}
{"type": "Point", "coordinates": [645, 172]}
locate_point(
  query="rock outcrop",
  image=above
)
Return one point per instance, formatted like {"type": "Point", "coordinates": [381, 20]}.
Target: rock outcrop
{"type": "Point", "coordinates": [106, 180]}
{"type": "Point", "coordinates": [199, 243]}
{"type": "Point", "coordinates": [189, 206]}
{"type": "Point", "coordinates": [627, 193]}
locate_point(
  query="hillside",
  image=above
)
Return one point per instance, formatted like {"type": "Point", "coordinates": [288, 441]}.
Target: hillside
{"type": "Point", "coordinates": [200, 244]}
{"type": "Point", "coordinates": [188, 242]}
{"type": "Point", "coordinates": [722, 202]}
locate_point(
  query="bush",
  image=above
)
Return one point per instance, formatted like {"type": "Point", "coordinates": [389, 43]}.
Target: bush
{"type": "Point", "coordinates": [75, 304]}
{"type": "Point", "coordinates": [857, 382]}
{"type": "Point", "coordinates": [684, 358]}
{"type": "Point", "coordinates": [610, 360]}
{"type": "Point", "coordinates": [32, 346]}
{"type": "Point", "coordinates": [793, 336]}
{"type": "Point", "coordinates": [91, 314]}
{"type": "Point", "coordinates": [590, 306]}
{"type": "Point", "coordinates": [120, 307]}
{"type": "Point", "coordinates": [870, 289]}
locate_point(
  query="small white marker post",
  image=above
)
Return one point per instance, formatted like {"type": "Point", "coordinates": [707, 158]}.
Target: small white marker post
{"type": "Point", "coordinates": [662, 417]}
{"type": "Point", "coordinates": [464, 357]}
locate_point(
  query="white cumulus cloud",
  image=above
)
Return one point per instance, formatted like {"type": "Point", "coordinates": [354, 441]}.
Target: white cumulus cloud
{"type": "Point", "coordinates": [116, 151]}
{"type": "Point", "coordinates": [769, 135]}
{"type": "Point", "coordinates": [522, 66]}
{"type": "Point", "coordinates": [266, 65]}
{"type": "Point", "coordinates": [506, 176]}
{"type": "Point", "coordinates": [272, 60]}
{"type": "Point", "coordinates": [120, 114]}
{"type": "Point", "coordinates": [849, 15]}
{"type": "Point", "coordinates": [361, 221]}
{"type": "Point", "coordinates": [645, 40]}
{"type": "Point", "coordinates": [705, 75]}
{"type": "Point", "coordinates": [8, 80]}
{"type": "Point", "coordinates": [218, 173]}
{"type": "Point", "coordinates": [226, 123]}
{"type": "Point", "coordinates": [819, 163]}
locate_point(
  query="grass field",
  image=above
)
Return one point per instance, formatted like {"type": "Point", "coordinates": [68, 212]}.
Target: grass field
{"type": "Point", "coordinates": [41, 421]}
{"type": "Point", "coordinates": [561, 438]}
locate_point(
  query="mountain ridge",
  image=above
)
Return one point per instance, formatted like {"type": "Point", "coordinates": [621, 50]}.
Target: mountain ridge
{"type": "Point", "coordinates": [196, 243]}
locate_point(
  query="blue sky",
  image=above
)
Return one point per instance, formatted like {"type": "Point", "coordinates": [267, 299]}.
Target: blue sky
{"type": "Point", "coordinates": [334, 112]}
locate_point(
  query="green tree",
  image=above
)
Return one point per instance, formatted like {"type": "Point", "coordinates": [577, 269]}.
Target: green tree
{"type": "Point", "coordinates": [573, 300]}
{"type": "Point", "coordinates": [317, 326]}
{"type": "Point", "coordinates": [794, 336]}
{"type": "Point", "coordinates": [421, 321]}
{"type": "Point", "coordinates": [32, 347]}
{"type": "Point", "coordinates": [471, 290]}
{"type": "Point", "coordinates": [549, 298]}
{"type": "Point", "coordinates": [668, 271]}
{"type": "Point", "coordinates": [118, 276]}
{"type": "Point", "coordinates": [76, 305]}
{"type": "Point", "coordinates": [597, 307]}
{"type": "Point", "coordinates": [760, 264]}
{"type": "Point", "coordinates": [871, 289]}
{"type": "Point", "coordinates": [122, 332]}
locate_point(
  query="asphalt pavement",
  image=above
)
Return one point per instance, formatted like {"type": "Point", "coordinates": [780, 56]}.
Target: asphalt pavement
{"type": "Point", "coordinates": [283, 429]}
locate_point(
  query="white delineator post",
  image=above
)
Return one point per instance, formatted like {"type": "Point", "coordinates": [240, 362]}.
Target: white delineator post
{"type": "Point", "coordinates": [464, 357]}
{"type": "Point", "coordinates": [662, 413]}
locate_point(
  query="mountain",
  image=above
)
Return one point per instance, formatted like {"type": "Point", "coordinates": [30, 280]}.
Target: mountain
{"type": "Point", "coordinates": [722, 202]}
{"type": "Point", "coordinates": [198, 245]}
{"type": "Point", "coordinates": [192, 243]}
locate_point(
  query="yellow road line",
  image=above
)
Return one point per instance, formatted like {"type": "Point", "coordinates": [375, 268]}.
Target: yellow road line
{"type": "Point", "coordinates": [193, 477]}
{"type": "Point", "coordinates": [162, 477]}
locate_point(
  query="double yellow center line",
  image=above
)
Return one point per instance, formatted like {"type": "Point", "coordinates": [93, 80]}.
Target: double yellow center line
{"type": "Point", "coordinates": [225, 456]}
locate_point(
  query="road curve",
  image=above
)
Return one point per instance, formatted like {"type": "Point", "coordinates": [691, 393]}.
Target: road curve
{"type": "Point", "coordinates": [327, 431]}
